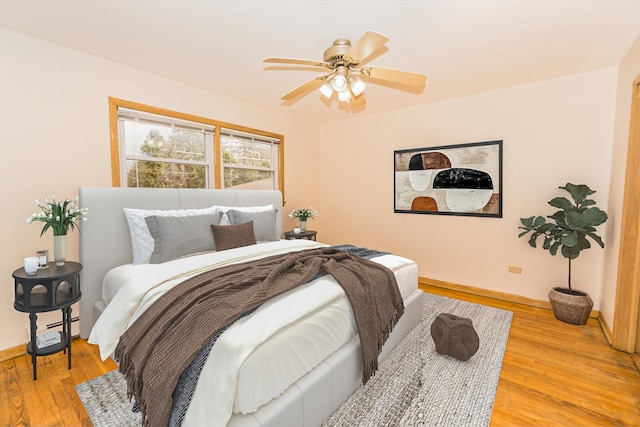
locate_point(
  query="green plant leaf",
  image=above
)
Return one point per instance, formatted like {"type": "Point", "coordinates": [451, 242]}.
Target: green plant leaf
{"type": "Point", "coordinates": [547, 243]}
{"type": "Point", "coordinates": [578, 192]}
{"type": "Point", "coordinates": [554, 248]}
{"type": "Point", "coordinates": [539, 221]}
{"type": "Point", "coordinates": [45, 228]}
{"type": "Point", "coordinates": [562, 203]}
{"type": "Point", "coordinates": [559, 217]}
{"type": "Point", "coordinates": [586, 219]}
{"type": "Point", "coordinates": [546, 228]}
{"type": "Point", "coordinates": [597, 239]}
{"type": "Point", "coordinates": [532, 240]}
{"type": "Point", "coordinates": [570, 252]}
{"type": "Point", "coordinates": [570, 240]}
{"type": "Point", "coordinates": [583, 243]}
{"type": "Point", "coordinates": [588, 202]}
{"type": "Point", "coordinates": [527, 222]}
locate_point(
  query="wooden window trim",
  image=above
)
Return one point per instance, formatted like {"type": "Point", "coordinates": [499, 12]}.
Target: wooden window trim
{"type": "Point", "coordinates": [115, 103]}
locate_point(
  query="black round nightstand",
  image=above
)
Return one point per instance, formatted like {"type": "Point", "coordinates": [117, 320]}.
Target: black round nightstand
{"type": "Point", "coordinates": [51, 288]}
{"type": "Point", "coordinates": [308, 234]}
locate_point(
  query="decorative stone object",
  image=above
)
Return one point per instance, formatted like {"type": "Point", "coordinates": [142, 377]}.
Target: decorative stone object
{"type": "Point", "coordinates": [454, 336]}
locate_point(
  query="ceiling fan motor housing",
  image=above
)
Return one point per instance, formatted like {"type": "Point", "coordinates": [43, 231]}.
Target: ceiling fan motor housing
{"type": "Point", "coordinates": [335, 54]}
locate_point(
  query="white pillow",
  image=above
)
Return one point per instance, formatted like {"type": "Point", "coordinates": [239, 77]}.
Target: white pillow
{"type": "Point", "coordinates": [248, 209]}
{"type": "Point", "coordinates": [141, 241]}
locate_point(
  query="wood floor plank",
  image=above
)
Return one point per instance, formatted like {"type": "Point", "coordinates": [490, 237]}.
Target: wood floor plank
{"type": "Point", "coordinates": [572, 390]}
{"type": "Point", "coordinates": [78, 414]}
{"type": "Point", "coordinates": [17, 412]}
{"type": "Point", "coordinates": [534, 408]}
{"type": "Point", "coordinates": [5, 406]}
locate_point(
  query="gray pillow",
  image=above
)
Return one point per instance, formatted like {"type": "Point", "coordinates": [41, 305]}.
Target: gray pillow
{"type": "Point", "coordinates": [264, 223]}
{"type": "Point", "coordinates": [233, 236]}
{"type": "Point", "coordinates": [174, 237]}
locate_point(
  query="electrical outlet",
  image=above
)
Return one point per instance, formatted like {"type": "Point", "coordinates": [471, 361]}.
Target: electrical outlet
{"type": "Point", "coordinates": [516, 270]}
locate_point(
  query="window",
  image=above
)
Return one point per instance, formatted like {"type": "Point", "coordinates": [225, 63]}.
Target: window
{"type": "Point", "coordinates": [249, 161]}
{"type": "Point", "coordinates": [164, 152]}
{"type": "Point", "coordinates": [152, 147]}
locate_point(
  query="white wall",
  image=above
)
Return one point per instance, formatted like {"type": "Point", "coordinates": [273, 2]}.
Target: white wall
{"type": "Point", "coordinates": [628, 70]}
{"type": "Point", "coordinates": [54, 138]}
{"type": "Point", "coordinates": [554, 132]}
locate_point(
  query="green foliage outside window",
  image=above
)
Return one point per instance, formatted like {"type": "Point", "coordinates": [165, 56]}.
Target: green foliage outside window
{"type": "Point", "coordinates": [246, 154]}
{"type": "Point", "coordinates": [187, 145]}
{"type": "Point", "coordinates": [181, 145]}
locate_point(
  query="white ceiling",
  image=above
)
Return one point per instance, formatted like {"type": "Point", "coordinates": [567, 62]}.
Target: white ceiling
{"type": "Point", "coordinates": [464, 47]}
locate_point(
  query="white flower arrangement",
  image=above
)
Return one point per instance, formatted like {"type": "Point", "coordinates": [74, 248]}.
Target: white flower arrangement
{"type": "Point", "coordinates": [60, 216]}
{"type": "Point", "coordinates": [304, 214]}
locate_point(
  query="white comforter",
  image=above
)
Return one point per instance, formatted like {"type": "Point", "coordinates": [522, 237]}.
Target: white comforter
{"type": "Point", "coordinates": [241, 373]}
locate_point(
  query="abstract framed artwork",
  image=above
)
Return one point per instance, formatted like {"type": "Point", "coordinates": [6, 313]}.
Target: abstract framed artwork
{"type": "Point", "coordinates": [462, 179]}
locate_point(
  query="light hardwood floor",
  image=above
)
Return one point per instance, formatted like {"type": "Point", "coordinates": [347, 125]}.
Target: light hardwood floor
{"type": "Point", "coordinates": [553, 374]}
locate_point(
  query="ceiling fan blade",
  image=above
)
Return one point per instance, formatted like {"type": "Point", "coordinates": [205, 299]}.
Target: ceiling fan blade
{"type": "Point", "coordinates": [358, 101]}
{"type": "Point", "coordinates": [368, 43]}
{"type": "Point", "coordinates": [305, 87]}
{"type": "Point", "coordinates": [296, 62]}
{"type": "Point", "coordinates": [395, 76]}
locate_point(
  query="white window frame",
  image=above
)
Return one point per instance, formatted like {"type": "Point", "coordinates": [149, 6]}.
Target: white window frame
{"type": "Point", "coordinates": [127, 114]}
{"type": "Point", "coordinates": [275, 153]}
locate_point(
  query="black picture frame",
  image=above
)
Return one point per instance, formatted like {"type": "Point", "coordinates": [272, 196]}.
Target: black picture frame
{"type": "Point", "coordinates": [461, 179]}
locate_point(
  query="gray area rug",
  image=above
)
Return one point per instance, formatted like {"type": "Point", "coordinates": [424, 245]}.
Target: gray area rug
{"type": "Point", "coordinates": [414, 386]}
{"type": "Point", "coordinates": [106, 402]}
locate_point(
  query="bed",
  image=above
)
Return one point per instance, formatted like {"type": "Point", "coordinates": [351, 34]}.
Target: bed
{"type": "Point", "coordinates": [309, 390]}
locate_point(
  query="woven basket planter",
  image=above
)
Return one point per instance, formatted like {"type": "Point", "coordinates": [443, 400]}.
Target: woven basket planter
{"type": "Point", "coordinates": [570, 306]}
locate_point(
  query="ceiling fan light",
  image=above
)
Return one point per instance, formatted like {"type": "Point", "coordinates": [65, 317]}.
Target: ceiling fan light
{"type": "Point", "coordinates": [344, 95]}
{"type": "Point", "coordinates": [339, 82]}
{"type": "Point", "coordinates": [326, 90]}
{"type": "Point", "coordinates": [357, 86]}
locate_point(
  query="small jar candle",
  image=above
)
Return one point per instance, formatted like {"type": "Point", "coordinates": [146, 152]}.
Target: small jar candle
{"type": "Point", "coordinates": [43, 258]}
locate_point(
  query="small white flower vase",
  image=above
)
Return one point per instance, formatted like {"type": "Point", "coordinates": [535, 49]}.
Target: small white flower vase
{"type": "Point", "coordinates": [303, 226]}
{"type": "Point", "coordinates": [60, 249]}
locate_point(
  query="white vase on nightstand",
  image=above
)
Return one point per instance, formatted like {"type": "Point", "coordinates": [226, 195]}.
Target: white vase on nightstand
{"type": "Point", "coordinates": [303, 226]}
{"type": "Point", "coordinates": [60, 249]}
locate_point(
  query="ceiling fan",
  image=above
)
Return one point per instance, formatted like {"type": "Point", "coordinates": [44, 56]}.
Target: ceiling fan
{"type": "Point", "coordinates": [345, 62]}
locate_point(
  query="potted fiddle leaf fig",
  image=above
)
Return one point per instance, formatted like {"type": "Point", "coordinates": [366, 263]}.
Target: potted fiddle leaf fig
{"type": "Point", "coordinates": [569, 232]}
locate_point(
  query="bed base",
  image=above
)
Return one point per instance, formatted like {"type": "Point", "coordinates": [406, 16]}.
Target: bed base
{"type": "Point", "coordinates": [313, 398]}
{"type": "Point", "coordinates": [317, 395]}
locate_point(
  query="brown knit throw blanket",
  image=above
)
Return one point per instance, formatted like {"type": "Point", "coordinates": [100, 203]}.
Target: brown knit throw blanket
{"type": "Point", "coordinates": [162, 342]}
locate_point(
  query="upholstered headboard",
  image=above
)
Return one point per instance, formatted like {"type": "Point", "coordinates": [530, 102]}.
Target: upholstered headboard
{"type": "Point", "coordinates": [105, 240]}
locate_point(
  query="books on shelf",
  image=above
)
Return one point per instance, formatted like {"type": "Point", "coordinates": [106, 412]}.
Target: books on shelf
{"type": "Point", "coordinates": [48, 338]}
